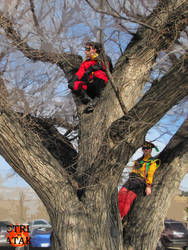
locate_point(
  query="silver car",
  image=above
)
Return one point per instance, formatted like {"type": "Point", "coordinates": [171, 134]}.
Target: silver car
{"type": "Point", "coordinates": [38, 223]}
{"type": "Point", "coordinates": [4, 226]}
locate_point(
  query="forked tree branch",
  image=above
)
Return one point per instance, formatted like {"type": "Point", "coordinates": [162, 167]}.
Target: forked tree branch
{"type": "Point", "coordinates": [67, 62]}
{"type": "Point", "coordinates": [169, 17]}
{"type": "Point", "coordinates": [127, 134]}
{"type": "Point", "coordinates": [57, 144]}
{"type": "Point", "coordinates": [160, 98]}
{"type": "Point", "coordinates": [131, 73]}
{"type": "Point", "coordinates": [33, 158]}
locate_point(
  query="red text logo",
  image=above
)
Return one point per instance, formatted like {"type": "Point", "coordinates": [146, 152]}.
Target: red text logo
{"type": "Point", "coordinates": [18, 235]}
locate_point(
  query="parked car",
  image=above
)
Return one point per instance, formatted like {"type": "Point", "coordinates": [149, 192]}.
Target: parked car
{"type": "Point", "coordinates": [3, 233]}
{"type": "Point", "coordinates": [40, 237]}
{"type": "Point", "coordinates": [38, 223]}
{"type": "Point", "coordinates": [175, 235]}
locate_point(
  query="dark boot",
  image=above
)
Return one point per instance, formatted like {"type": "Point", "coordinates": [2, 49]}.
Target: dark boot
{"type": "Point", "coordinates": [91, 105]}
{"type": "Point", "coordinates": [93, 102]}
{"type": "Point", "coordinates": [82, 95]}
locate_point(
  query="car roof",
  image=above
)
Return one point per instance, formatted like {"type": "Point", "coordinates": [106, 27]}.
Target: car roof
{"type": "Point", "coordinates": [3, 222]}
{"type": "Point", "coordinates": [176, 226]}
{"type": "Point", "coordinates": [39, 221]}
{"type": "Point", "coordinates": [173, 221]}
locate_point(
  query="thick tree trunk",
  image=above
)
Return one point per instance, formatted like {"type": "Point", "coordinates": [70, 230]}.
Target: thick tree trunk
{"type": "Point", "coordinates": [90, 224]}
{"type": "Point", "coordinates": [93, 221]}
{"type": "Point", "coordinates": [82, 202]}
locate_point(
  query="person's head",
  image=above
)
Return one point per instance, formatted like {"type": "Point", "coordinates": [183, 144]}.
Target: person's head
{"type": "Point", "coordinates": [147, 148]}
{"type": "Point", "coordinates": [90, 49]}
{"type": "Point", "coordinates": [98, 47]}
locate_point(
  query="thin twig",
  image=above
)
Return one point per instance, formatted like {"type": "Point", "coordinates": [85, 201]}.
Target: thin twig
{"type": "Point", "coordinates": [122, 105]}
{"type": "Point", "coordinates": [118, 16]}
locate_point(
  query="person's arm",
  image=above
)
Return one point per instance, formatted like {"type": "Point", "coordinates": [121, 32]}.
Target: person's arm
{"type": "Point", "coordinates": [77, 76]}
{"type": "Point", "coordinates": [81, 71]}
{"type": "Point", "coordinates": [150, 174]}
{"type": "Point", "coordinates": [148, 190]}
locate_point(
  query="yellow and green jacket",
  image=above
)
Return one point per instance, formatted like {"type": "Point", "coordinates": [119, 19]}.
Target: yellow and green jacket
{"type": "Point", "coordinates": [147, 168]}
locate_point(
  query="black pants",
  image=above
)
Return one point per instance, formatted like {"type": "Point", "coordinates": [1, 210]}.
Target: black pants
{"type": "Point", "coordinates": [136, 184]}
{"type": "Point", "coordinates": [95, 88]}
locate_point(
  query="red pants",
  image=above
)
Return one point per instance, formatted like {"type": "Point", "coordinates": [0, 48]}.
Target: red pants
{"type": "Point", "coordinates": [125, 200]}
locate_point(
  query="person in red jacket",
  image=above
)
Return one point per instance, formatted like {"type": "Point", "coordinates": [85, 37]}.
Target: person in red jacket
{"type": "Point", "coordinates": [91, 78]}
{"type": "Point", "coordinates": [140, 180]}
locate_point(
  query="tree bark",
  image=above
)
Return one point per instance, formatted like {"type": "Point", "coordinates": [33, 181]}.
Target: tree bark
{"type": "Point", "coordinates": [79, 190]}
{"type": "Point", "coordinates": [130, 75]}
{"type": "Point", "coordinates": [88, 221]}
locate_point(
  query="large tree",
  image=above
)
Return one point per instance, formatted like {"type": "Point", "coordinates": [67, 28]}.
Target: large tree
{"type": "Point", "coordinates": [78, 183]}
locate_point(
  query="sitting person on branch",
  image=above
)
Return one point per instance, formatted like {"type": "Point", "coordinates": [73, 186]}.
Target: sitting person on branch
{"type": "Point", "coordinates": [91, 78]}
{"type": "Point", "coordinates": [140, 180]}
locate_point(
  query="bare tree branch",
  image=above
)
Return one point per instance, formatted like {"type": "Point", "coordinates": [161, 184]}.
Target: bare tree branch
{"type": "Point", "coordinates": [128, 132]}
{"type": "Point", "coordinates": [115, 14]}
{"type": "Point", "coordinates": [3, 95]}
{"type": "Point", "coordinates": [39, 30]}
{"type": "Point", "coordinates": [80, 189]}
{"type": "Point", "coordinates": [132, 71]}
{"type": "Point", "coordinates": [177, 146]}
{"type": "Point", "coordinates": [68, 62]}
{"type": "Point", "coordinates": [57, 144]}
{"type": "Point", "coordinates": [155, 103]}
{"type": "Point", "coordinates": [60, 122]}
{"type": "Point", "coordinates": [167, 16]}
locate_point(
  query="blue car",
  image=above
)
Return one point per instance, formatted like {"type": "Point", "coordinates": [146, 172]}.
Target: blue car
{"type": "Point", "coordinates": [40, 237]}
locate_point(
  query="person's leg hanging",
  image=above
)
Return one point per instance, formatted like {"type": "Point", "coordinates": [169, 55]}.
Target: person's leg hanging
{"type": "Point", "coordinates": [79, 90]}
{"type": "Point", "coordinates": [94, 89]}
{"type": "Point", "coordinates": [122, 199]}
{"type": "Point", "coordinates": [130, 197]}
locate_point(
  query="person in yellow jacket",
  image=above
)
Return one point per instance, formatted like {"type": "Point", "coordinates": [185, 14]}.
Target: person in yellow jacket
{"type": "Point", "coordinates": [140, 179]}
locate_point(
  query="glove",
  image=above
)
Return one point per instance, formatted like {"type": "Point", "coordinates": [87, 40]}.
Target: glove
{"type": "Point", "coordinates": [71, 85]}
{"type": "Point", "coordinates": [93, 68]}
{"type": "Point", "coordinates": [71, 82]}
{"type": "Point", "coordinates": [98, 66]}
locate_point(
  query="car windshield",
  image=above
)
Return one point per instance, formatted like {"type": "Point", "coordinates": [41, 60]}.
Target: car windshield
{"type": "Point", "coordinates": [4, 225]}
{"type": "Point", "coordinates": [40, 222]}
{"type": "Point", "coordinates": [175, 227]}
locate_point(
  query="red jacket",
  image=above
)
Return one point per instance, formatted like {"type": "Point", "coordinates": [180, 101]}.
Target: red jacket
{"type": "Point", "coordinates": [99, 73]}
